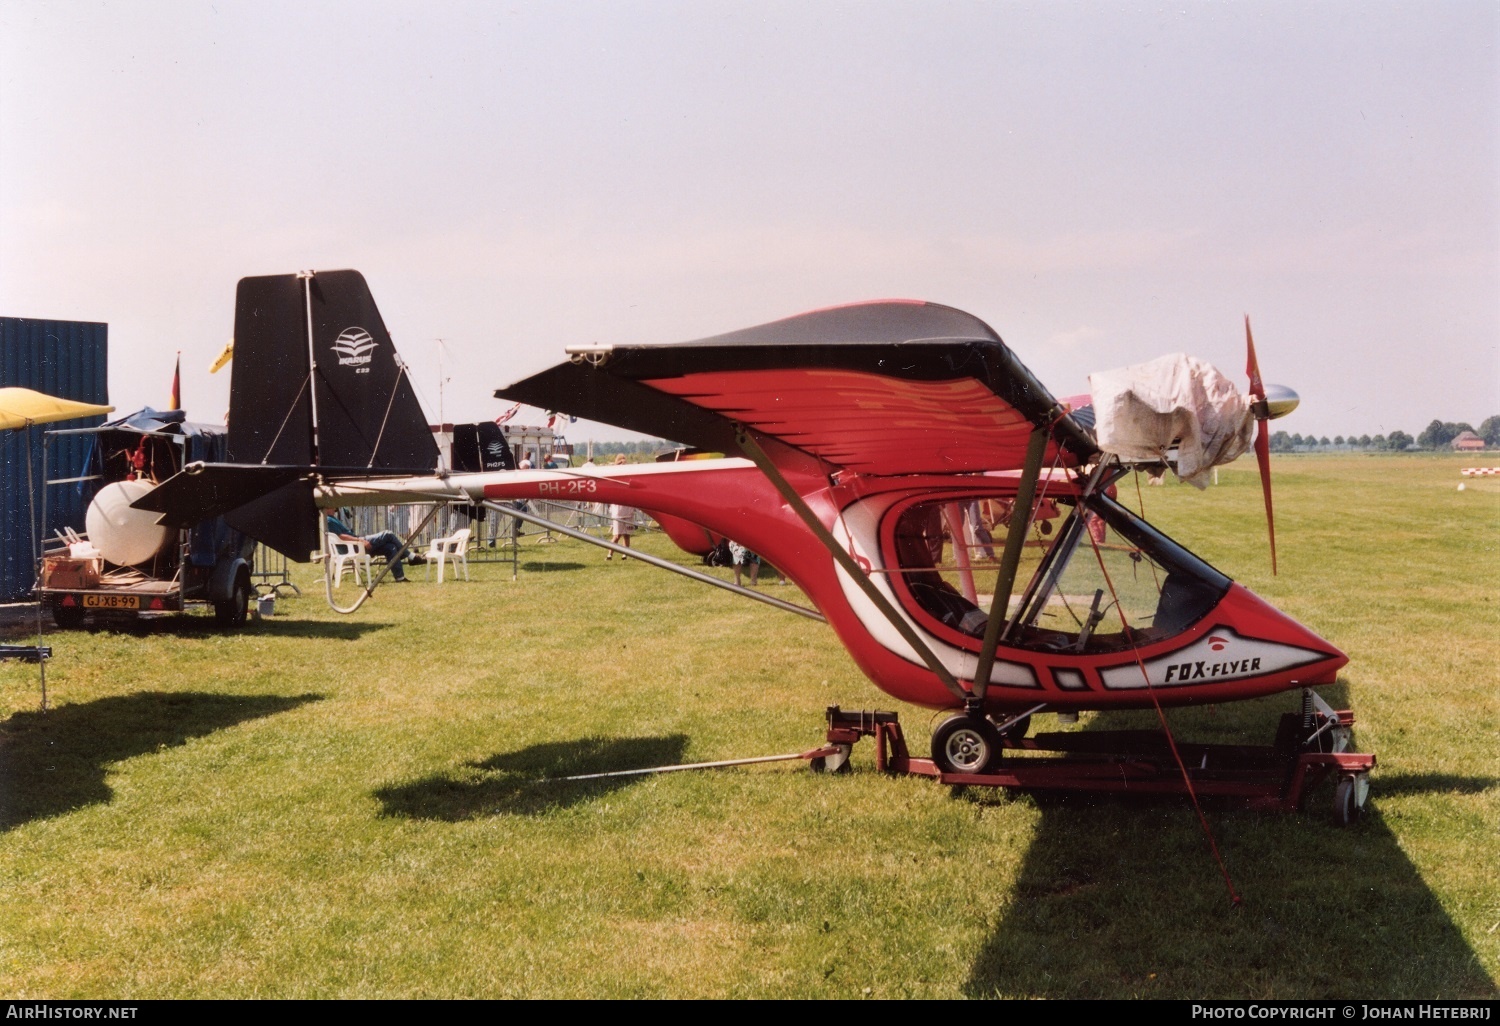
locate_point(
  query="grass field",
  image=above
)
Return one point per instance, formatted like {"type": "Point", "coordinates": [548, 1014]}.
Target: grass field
{"type": "Point", "coordinates": [326, 806]}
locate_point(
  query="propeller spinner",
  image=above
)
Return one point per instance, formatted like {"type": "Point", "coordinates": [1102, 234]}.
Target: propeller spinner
{"type": "Point", "coordinates": [1280, 401]}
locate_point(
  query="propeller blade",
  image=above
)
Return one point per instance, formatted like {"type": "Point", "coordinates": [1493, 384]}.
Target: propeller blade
{"type": "Point", "coordinates": [1263, 457]}
{"type": "Point", "coordinates": [1262, 435]}
{"type": "Point", "coordinates": [1252, 366]}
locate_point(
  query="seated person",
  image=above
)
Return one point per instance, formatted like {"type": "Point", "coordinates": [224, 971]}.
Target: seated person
{"type": "Point", "coordinates": [919, 548]}
{"type": "Point", "coordinates": [947, 604]}
{"type": "Point", "coordinates": [386, 544]}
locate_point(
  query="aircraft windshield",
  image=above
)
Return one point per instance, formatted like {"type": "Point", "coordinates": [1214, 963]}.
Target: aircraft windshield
{"type": "Point", "coordinates": [1101, 581]}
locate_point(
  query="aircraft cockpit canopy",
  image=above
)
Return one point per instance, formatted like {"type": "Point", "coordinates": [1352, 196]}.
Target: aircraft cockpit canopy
{"type": "Point", "coordinates": [1093, 577]}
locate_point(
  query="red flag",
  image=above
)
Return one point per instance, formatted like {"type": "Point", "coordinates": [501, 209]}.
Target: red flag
{"type": "Point", "coordinates": [508, 414]}
{"type": "Point", "coordinates": [175, 403]}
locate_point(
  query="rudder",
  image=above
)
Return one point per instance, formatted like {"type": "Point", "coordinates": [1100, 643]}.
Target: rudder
{"type": "Point", "coordinates": [342, 401]}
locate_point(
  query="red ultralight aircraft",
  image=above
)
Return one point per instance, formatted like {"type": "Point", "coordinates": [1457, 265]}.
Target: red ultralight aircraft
{"type": "Point", "coordinates": [852, 437]}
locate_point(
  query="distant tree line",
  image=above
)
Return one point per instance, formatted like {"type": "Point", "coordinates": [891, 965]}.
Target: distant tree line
{"type": "Point", "coordinates": [1437, 435]}
{"type": "Point", "coordinates": [1395, 441]}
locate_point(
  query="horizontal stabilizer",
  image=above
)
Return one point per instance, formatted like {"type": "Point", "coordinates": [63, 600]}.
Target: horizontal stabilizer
{"type": "Point", "coordinates": [286, 520]}
{"type": "Point", "coordinates": [208, 490]}
{"type": "Point", "coordinates": [272, 504]}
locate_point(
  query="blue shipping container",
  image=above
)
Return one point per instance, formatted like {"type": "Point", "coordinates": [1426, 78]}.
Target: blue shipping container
{"type": "Point", "coordinates": [68, 359]}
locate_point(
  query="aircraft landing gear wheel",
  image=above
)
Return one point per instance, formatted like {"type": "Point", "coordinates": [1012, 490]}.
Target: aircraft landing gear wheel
{"type": "Point", "coordinates": [965, 744]}
{"type": "Point", "coordinates": [838, 762]}
{"type": "Point", "coordinates": [67, 617]}
{"type": "Point", "coordinates": [233, 611]}
{"type": "Point", "coordinates": [1349, 800]}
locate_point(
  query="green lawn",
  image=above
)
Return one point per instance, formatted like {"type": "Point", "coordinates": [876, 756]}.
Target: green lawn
{"type": "Point", "coordinates": [327, 806]}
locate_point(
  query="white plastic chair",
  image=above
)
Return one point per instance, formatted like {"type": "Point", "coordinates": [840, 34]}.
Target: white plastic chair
{"type": "Point", "coordinates": [347, 555]}
{"type": "Point", "coordinates": [454, 547]}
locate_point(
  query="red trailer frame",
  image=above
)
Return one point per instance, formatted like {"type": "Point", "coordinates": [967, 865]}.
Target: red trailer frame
{"type": "Point", "coordinates": [1309, 748]}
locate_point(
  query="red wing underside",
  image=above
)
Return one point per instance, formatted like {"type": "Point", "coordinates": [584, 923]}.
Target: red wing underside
{"type": "Point", "coordinates": [868, 423]}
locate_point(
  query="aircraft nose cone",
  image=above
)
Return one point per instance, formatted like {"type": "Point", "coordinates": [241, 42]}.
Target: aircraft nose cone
{"type": "Point", "coordinates": [1280, 400]}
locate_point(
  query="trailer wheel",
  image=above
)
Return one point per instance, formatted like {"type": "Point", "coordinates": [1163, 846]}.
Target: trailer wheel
{"type": "Point", "coordinates": [232, 612]}
{"type": "Point", "coordinates": [838, 762]}
{"type": "Point", "coordinates": [965, 744]}
{"type": "Point", "coordinates": [67, 617]}
{"type": "Point", "coordinates": [1348, 802]}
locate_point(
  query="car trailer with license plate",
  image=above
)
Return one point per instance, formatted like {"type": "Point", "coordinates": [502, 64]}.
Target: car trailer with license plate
{"type": "Point", "coordinates": [124, 563]}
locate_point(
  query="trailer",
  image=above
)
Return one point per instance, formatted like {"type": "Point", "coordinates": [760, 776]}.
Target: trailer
{"type": "Point", "coordinates": [123, 562]}
{"type": "Point", "coordinates": [1311, 746]}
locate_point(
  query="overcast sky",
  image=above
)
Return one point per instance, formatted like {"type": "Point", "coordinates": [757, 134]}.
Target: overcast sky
{"type": "Point", "coordinates": [1101, 182]}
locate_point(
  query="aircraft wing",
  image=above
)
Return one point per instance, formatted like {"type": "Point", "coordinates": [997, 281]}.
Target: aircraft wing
{"type": "Point", "coordinates": [884, 388]}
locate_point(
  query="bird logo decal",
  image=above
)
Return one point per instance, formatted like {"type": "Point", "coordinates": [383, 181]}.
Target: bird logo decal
{"type": "Point", "coordinates": [354, 346]}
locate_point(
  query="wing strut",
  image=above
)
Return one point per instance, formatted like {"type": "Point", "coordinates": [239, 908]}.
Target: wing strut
{"type": "Point", "coordinates": [1010, 559]}
{"type": "Point", "coordinates": [646, 557]}
{"type": "Point", "coordinates": [752, 449]}
{"type": "Point", "coordinates": [370, 585]}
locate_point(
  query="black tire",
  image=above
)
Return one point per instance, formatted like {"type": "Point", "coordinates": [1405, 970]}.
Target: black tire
{"type": "Point", "coordinates": [840, 762]}
{"type": "Point", "coordinates": [67, 618]}
{"type": "Point", "coordinates": [965, 744]}
{"type": "Point", "coordinates": [231, 613]}
{"type": "Point", "coordinates": [1346, 805]}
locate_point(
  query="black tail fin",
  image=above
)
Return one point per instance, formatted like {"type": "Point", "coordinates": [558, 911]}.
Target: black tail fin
{"type": "Point", "coordinates": [481, 446]}
{"type": "Point", "coordinates": [341, 400]}
{"type": "Point", "coordinates": [317, 388]}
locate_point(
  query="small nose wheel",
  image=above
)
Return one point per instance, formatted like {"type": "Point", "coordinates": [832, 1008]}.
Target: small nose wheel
{"type": "Point", "coordinates": [965, 744]}
{"type": "Point", "coordinates": [1349, 799]}
{"type": "Point", "coordinates": [838, 762]}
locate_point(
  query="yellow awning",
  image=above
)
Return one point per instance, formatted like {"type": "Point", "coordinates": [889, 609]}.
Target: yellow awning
{"type": "Point", "coordinates": [22, 406]}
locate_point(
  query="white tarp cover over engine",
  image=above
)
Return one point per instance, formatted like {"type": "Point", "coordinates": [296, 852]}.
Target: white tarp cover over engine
{"type": "Point", "coordinates": [1142, 411]}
